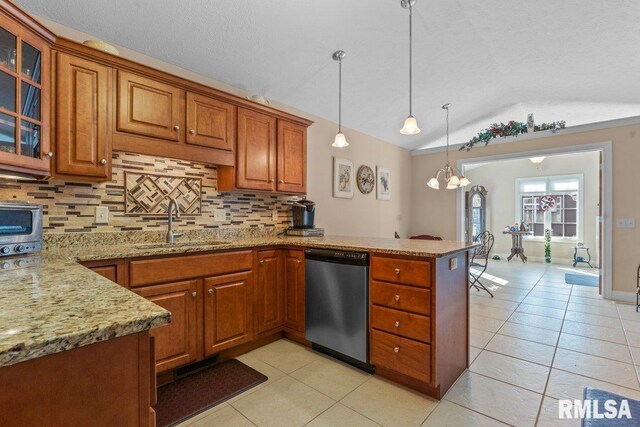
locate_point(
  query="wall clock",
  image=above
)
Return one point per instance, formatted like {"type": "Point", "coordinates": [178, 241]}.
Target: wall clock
{"type": "Point", "coordinates": [366, 179]}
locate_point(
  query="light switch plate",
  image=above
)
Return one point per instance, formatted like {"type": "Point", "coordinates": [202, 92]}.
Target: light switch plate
{"type": "Point", "coordinates": [102, 215]}
{"type": "Point", "coordinates": [220, 215]}
{"type": "Point", "coordinates": [625, 223]}
{"type": "Point", "coordinates": [274, 214]}
{"type": "Point", "coordinates": [453, 263]}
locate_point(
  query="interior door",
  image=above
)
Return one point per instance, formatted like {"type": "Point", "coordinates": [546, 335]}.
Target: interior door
{"type": "Point", "coordinates": [83, 134]}
{"type": "Point", "coordinates": [292, 157]}
{"type": "Point", "coordinates": [210, 123]}
{"type": "Point", "coordinates": [270, 292]}
{"type": "Point", "coordinates": [150, 108]}
{"type": "Point", "coordinates": [256, 161]}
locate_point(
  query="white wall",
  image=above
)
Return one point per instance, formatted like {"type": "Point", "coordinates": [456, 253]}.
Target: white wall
{"type": "Point", "coordinates": [361, 216]}
{"type": "Point", "coordinates": [499, 179]}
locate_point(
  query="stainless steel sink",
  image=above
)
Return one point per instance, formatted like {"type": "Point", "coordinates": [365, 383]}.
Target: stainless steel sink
{"type": "Point", "coordinates": [192, 243]}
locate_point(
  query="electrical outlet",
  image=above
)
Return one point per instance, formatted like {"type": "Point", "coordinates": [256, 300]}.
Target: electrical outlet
{"type": "Point", "coordinates": [220, 215]}
{"type": "Point", "coordinates": [274, 214]}
{"type": "Point", "coordinates": [453, 263]}
{"type": "Point", "coordinates": [102, 214]}
{"type": "Point", "coordinates": [625, 223]}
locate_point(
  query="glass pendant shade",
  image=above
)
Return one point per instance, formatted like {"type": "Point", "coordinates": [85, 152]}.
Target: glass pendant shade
{"type": "Point", "coordinates": [454, 180]}
{"type": "Point", "coordinates": [410, 126]}
{"type": "Point", "coordinates": [451, 186]}
{"type": "Point", "coordinates": [433, 183]}
{"type": "Point", "coordinates": [464, 182]}
{"type": "Point", "coordinates": [340, 141]}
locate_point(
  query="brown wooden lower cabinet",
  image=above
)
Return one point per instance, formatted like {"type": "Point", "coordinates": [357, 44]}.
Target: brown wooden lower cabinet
{"type": "Point", "coordinates": [228, 314]}
{"type": "Point", "coordinates": [113, 270]}
{"type": "Point", "coordinates": [177, 342]}
{"type": "Point", "coordinates": [270, 291]}
{"type": "Point", "coordinates": [294, 282]}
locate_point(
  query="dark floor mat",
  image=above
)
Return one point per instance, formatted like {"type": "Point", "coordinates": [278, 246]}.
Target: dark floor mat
{"type": "Point", "coordinates": [188, 396]}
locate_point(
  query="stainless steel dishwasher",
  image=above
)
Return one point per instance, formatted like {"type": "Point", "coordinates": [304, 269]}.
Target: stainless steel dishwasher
{"type": "Point", "coordinates": [337, 304]}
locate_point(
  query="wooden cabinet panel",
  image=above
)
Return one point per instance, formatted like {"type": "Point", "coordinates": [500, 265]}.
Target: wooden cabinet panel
{"type": "Point", "coordinates": [176, 343]}
{"type": "Point", "coordinates": [294, 282]}
{"type": "Point", "coordinates": [270, 291]}
{"type": "Point", "coordinates": [401, 355]}
{"type": "Point", "coordinates": [210, 123]}
{"type": "Point", "coordinates": [256, 158]}
{"type": "Point", "coordinates": [108, 271]}
{"type": "Point", "coordinates": [113, 270]}
{"type": "Point", "coordinates": [398, 322]}
{"type": "Point", "coordinates": [83, 133]}
{"type": "Point", "coordinates": [150, 108]}
{"type": "Point", "coordinates": [398, 270]}
{"type": "Point", "coordinates": [401, 297]}
{"type": "Point", "coordinates": [227, 311]}
{"type": "Point", "coordinates": [292, 157]}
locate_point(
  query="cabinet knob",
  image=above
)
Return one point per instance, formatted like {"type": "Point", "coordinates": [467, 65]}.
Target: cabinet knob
{"type": "Point", "coordinates": [192, 131]}
{"type": "Point", "coordinates": [281, 181]}
{"type": "Point", "coordinates": [261, 262]}
{"type": "Point", "coordinates": [397, 271]}
{"type": "Point", "coordinates": [271, 180]}
{"type": "Point", "coordinates": [210, 291]}
{"type": "Point", "coordinates": [49, 154]}
{"type": "Point", "coordinates": [396, 349]}
{"type": "Point", "coordinates": [176, 128]}
{"type": "Point", "coordinates": [397, 297]}
{"type": "Point", "coordinates": [194, 294]}
{"type": "Point", "coordinates": [397, 323]}
{"type": "Point", "coordinates": [298, 261]}
{"type": "Point", "coordinates": [103, 162]}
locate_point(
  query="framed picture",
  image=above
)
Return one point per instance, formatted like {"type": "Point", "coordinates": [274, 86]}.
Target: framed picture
{"type": "Point", "coordinates": [343, 177]}
{"type": "Point", "coordinates": [383, 183]}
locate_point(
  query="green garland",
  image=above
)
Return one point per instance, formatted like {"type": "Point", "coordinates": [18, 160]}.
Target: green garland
{"type": "Point", "coordinates": [547, 246]}
{"type": "Point", "coordinates": [512, 128]}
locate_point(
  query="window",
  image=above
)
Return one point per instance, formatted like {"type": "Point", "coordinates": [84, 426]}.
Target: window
{"type": "Point", "coordinates": [564, 192]}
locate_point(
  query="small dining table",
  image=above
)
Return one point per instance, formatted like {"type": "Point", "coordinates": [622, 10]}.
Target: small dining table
{"type": "Point", "coordinates": [516, 244]}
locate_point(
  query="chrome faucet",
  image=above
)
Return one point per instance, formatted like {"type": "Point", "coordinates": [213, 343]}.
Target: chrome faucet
{"type": "Point", "coordinates": [171, 236]}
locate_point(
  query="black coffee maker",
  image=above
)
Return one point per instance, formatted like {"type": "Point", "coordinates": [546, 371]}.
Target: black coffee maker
{"type": "Point", "coordinates": [303, 213]}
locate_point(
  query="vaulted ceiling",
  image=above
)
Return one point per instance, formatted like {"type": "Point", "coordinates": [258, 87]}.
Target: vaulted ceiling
{"type": "Point", "coordinates": [494, 60]}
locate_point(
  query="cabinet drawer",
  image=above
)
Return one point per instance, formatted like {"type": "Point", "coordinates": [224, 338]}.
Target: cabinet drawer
{"type": "Point", "coordinates": [401, 355]}
{"type": "Point", "coordinates": [402, 323]}
{"type": "Point", "coordinates": [401, 297]}
{"type": "Point", "coordinates": [149, 271]}
{"type": "Point", "coordinates": [407, 271]}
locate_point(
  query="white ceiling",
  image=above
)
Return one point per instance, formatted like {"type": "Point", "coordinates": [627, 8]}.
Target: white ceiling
{"type": "Point", "coordinates": [494, 60]}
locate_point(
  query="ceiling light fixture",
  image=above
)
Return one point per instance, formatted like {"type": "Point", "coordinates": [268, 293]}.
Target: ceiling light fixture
{"type": "Point", "coordinates": [537, 160]}
{"type": "Point", "coordinates": [410, 124]}
{"type": "Point", "coordinates": [450, 176]}
{"type": "Point", "coordinates": [340, 141]}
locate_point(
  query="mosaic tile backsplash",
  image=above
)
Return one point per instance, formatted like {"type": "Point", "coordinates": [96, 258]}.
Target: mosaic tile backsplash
{"type": "Point", "coordinates": [70, 206]}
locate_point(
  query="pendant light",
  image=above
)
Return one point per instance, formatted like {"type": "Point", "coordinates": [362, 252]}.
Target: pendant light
{"type": "Point", "coordinates": [410, 124]}
{"type": "Point", "coordinates": [340, 141]}
{"type": "Point", "coordinates": [450, 177]}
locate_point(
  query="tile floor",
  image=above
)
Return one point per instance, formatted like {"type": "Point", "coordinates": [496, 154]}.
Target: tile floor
{"type": "Point", "coordinates": [537, 341]}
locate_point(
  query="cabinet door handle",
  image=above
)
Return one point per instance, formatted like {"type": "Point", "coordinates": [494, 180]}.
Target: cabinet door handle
{"type": "Point", "coordinates": [194, 294]}
{"type": "Point", "coordinates": [397, 297]}
{"type": "Point", "coordinates": [397, 324]}
{"type": "Point", "coordinates": [176, 128]}
{"type": "Point", "coordinates": [396, 349]}
{"type": "Point", "coordinates": [210, 291]}
{"type": "Point", "coordinates": [103, 162]}
{"type": "Point", "coordinates": [397, 271]}
{"type": "Point", "coordinates": [49, 154]}
{"type": "Point", "coordinates": [192, 131]}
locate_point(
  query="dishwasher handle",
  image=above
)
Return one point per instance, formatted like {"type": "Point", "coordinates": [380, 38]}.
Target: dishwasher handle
{"type": "Point", "coordinates": [337, 257]}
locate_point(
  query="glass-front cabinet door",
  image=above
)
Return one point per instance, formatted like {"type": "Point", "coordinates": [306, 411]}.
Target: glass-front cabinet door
{"type": "Point", "coordinates": [24, 99]}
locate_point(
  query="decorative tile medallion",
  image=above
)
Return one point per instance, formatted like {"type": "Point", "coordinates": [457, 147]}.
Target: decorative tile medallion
{"type": "Point", "coordinates": [149, 194]}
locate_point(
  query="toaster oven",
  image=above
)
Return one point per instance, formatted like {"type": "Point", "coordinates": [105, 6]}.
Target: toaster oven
{"type": "Point", "coordinates": [20, 228]}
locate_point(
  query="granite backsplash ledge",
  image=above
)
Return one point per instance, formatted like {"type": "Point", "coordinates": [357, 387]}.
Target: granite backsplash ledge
{"type": "Point", "coordinates": [137, 196]}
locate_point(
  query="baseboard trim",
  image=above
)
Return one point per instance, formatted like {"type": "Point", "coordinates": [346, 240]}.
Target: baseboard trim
{"type": "Point", "coordinates": [624, 296]}
{"type": "Point", "coordinates": [554, 261]}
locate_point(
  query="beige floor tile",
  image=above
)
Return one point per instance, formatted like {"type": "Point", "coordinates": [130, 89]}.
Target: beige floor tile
{"type": "Point", "coordinates": [593, 319]}
{"type": "Point", "coordinates": [549, 295]}
{"type": "Point", "coordinates": [479, 338]}
{"type": "Point", "coordinates": [225, 417]}
{"type": "Point", "coordinates": [595, 347]}
{"type": "Point", "coordinates": [554, 288]}
{"type": "Point", "coordinates": [494, 313]}
{"type": "Point", "coordinates": [631, 325]}
{"type": "Point", "coordinates": [271, 373]}
{"type": "Point", "coordinates": [545, 302]}
{"type": "Point", "coordinates": [504, 402]}
{"type": "Point", "coordinates": [549, 415]}
{"type": "Point", "coordinates": [341, 416]}
{"type": "Point", "coordinates": [590, 301]}
{"type": "Point", "coordinates": [492, 302]}
{"type": "Point", "coordinates": [203, 414]}
{"type": "Point", "coordinates": [285, 355]}
{"type": "Point", "coordinates": [596, 367]}
{"type": "Point", "coordinates": [286, 402]}
{"type": "Point", "coordinates": [485, 323]}
{"type": "Point", "coordinates": [530, 333]}
{"type": "Point", "coordinates": [593, 331]}
{"type": "Point", "coordinates": [511, 370]}
{"type": "Point", "coordinates": [448, 414]}
{"type": "Point", "coordinates": [635, 351]}
{"type": "Point", "coordinates": [541, 311]}
{"type": "Point", "coordinates": [522, 349]}
{"type": "Point", "coordinates": [331, 377]}
{"type": "Point", "coordinates": [586, 292]}
{"type": "Point", "coordinates": [567, 385]}
{"type": "Point", "coordinates": [474, 352]}
{"type": "Point", "coordinates": [633, 338]}
{"type": "Point", "coordinates": [389, 404]}
{"type": "Point", "coordinates": [536, 321]}
{"type": "Point", "coordinates": [608, 311]}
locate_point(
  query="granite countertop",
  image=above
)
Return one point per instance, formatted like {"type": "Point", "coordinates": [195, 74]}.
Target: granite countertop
{"type": "Point", "coordinates": [56, 305]}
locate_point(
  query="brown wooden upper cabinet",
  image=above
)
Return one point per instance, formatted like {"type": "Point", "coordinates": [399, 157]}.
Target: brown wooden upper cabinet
{"type": "Point", "coordinates": [271, 155]}
{"type": "Point", "coordinates": [83, 106]}
{"type": "Point", "coordinates": [210, 123]}
{"type": "Point", "coordinates": [25, 85]}
{"type": "Point", "coordinates": [150, 108]}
